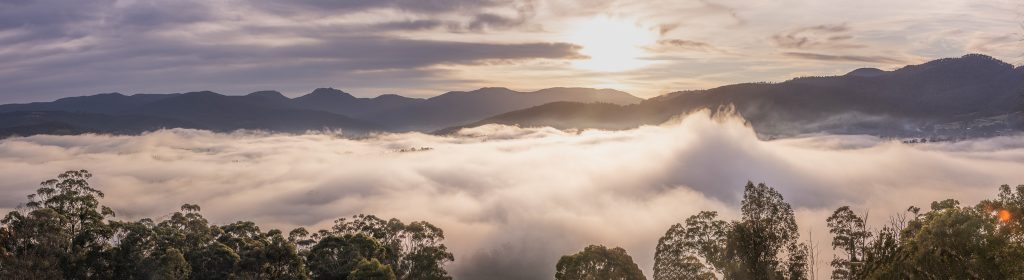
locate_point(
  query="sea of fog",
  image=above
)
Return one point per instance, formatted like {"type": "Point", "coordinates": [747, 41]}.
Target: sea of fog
{"type": "Point", "coordinates": [512, 200]}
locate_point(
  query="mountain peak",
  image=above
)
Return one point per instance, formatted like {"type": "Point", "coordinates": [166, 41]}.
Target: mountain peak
{"type": "Point", "coordinates": [976, 62]}
{"type": "Point", "coordinates": [322, 92]}
{"type": "Point", "coordinates": [390, 96]}
{"type": "Point", "coordinates": [268, 94]}
{"type": "Point", "coordinates": [201, 93]}
{"type": "Point", "coordinates": [866, 72]}
{"type": "Point", "coordinates": [490, 90]}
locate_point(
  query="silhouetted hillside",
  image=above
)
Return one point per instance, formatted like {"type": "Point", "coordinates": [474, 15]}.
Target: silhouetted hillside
{"type": "Point", "coordinates": [324, 108]}
{"type": "Point", "coordinates": [69, 123]}
{"type": "Point", "coordinates": [458, 107]}
{"type": "Point", "coordinates": [974, 95]}
{"type": "Point", "coordinates": [340, 102]}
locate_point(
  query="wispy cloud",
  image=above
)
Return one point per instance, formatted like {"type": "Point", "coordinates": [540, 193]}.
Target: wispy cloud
{"type": "Point", "coordinates": [827, 36]}
{"type": "Point", "coordinates": [855, 58]}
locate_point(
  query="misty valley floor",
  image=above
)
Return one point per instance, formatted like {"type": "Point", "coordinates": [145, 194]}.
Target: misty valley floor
{"type": "Point", "coordinates": [512, 200]}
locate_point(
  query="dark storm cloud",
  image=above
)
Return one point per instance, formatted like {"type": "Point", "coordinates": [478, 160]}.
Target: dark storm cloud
{"type": "Point", "coordinates": [855, 58]}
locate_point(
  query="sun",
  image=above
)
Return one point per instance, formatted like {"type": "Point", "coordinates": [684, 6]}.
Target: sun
{"type": "Point", "coordinates": [611, 45]}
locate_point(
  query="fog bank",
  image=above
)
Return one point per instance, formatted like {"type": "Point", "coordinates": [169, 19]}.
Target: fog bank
{"type": "Point", "coordinates": [512, 200]}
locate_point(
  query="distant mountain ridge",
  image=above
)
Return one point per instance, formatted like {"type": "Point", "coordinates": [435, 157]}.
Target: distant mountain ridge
{"type": "Point", "coordinates": [970, 96]}
{"type": "Point", "coordinates": [324, 108]}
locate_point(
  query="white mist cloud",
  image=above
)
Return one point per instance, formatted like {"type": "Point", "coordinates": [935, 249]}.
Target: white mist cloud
{"type": "Point", "coordinates": [512, 200]}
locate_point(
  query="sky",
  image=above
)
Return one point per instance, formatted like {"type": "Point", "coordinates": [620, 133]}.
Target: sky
{"type": "Point", "coordinates": [57, 48]}
{"type": "Point", "coordinates": [512, 200]}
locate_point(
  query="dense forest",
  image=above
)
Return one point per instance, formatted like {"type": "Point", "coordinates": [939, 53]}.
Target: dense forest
{"type": "Point", "coordinates": [63, 232]}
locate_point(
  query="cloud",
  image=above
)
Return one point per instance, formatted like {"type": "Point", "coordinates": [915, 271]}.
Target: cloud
{"type": "Point", "coordinates": [690, 45]}
{"type": "Point", "coordinates": [826, 36]}
{"type": "Point", "coordinates": [224, 45]}
{"type": "Point", "coordinates": [220, 66]}
{"type": "Point", "coordinates": [512, 200]}
{"type": "Point", "coordinates": [854, 58]}
{"type": "Point", "coordinates": [56, 48]}
{"type": "Point", "coordinates": [716, 7]}
{"type": "Point", "coordinates": [418, 6]}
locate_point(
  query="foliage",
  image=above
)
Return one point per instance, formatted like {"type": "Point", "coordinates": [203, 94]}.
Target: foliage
{"type": "Point", "coordinates": [677, 252]}
{"type": "Point", "coordinates": [761, 245]}
{"type": "Point", "coordinates": [371, 270]}
{"type": "Point", "coordinates": [953, 242]}
{"type": "Point", "coordinates": [597, 262]}
{"type": "Point", "coordinates": [64, 233]}
{"type": "Point", "coordinates": [414, 250]}
{"type": "Point", "coordinates": [850, 236]}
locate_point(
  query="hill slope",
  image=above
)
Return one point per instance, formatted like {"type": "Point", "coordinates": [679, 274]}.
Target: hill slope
{"type": "Point", "coordinates": [974, 95]}
{"type": "Point", "coordinates": [324, 108]}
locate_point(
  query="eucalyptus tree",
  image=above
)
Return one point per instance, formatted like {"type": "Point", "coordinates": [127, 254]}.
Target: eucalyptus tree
{"type": "Point", "coordinates": [63, 230]}
{"type": "Point", "coordinates": [761, 245]}
{"type": "Point", "coordinates": [597, 262]}
{"type": "Point", "coordinates": [414, 251]}
{"type": "Point", "coordinates": [850, 236]}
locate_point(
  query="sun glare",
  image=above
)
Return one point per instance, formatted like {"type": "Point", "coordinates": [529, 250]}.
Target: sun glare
{"type": "Point", "coordinates": [611, 45]}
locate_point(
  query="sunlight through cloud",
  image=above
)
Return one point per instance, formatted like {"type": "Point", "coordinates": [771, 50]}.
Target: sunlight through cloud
{"type": "Point", "coordinates": [612, 45]}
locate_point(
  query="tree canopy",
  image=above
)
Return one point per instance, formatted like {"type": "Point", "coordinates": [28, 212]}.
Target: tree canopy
{"type": "Point", "coordinates": [597, 262]}
{"type": "Point", "coordinates": [761, 245]}
{"type": "Point", "coordinates": [64, 233]}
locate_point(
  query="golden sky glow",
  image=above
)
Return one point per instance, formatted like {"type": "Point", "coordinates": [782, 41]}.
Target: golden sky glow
{"type": "Point", "coordinates": [611, 45]}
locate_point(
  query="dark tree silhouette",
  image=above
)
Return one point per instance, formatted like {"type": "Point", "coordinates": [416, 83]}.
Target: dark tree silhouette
{"type": "Point", "coordinates": [762, 245]}
{"type": "Point", "coordinates": [598, 262]}
{"type": "Point", "coordinates": [64, 234]}
{"type": "Point", "coordinates": [850, 236]}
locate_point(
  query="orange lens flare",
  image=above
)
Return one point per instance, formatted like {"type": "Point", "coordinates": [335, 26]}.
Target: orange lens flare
{"type": "Point", "coordinates": [1004, 216]}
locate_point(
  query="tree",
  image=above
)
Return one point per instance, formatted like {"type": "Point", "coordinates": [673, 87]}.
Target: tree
{"type": "Point", "coordinates": [850, 236]}
{"type": "Point", "coordinates": [676, 255]}
{"type": "Point", "coordinates": [371, 270]}
{"type": "Point", "coordinates": [414, 251]}
{"type": "Point", "coordinates": [262, 255]}
{"type": "Point", "coordinates": [767, 229]}
{"type": "Point", "coordinates": [597, 262]}
{"type": "Point", "coordinates": [761, 245]}
{"type": "Point", "coordinates": [952, 242]}
{"type": "Point", "coordinates": [215, 261]}
{"type": "Point", "coordinates": [334, 257]}
{"type": "Point", "coordinates": [65, 227]}
{"type": "Point", "coordinates": [65, 234]}
{"type": "Point", "coordinates": [169, 264]}
{"type": "Point", "coordinates": [32, 245]}
{"type": "Point", "coordinates": [134, 246]}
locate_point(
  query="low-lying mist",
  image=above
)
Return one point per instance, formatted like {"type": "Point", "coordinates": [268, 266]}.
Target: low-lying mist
{"type": "Point", "coordinates": [512, 200]}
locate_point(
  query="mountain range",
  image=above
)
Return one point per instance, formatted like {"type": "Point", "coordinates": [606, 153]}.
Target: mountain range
{"type": "Point", "coordinates": [324, 108]}
{"type": "Point", "coordinates": [969, 96]}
